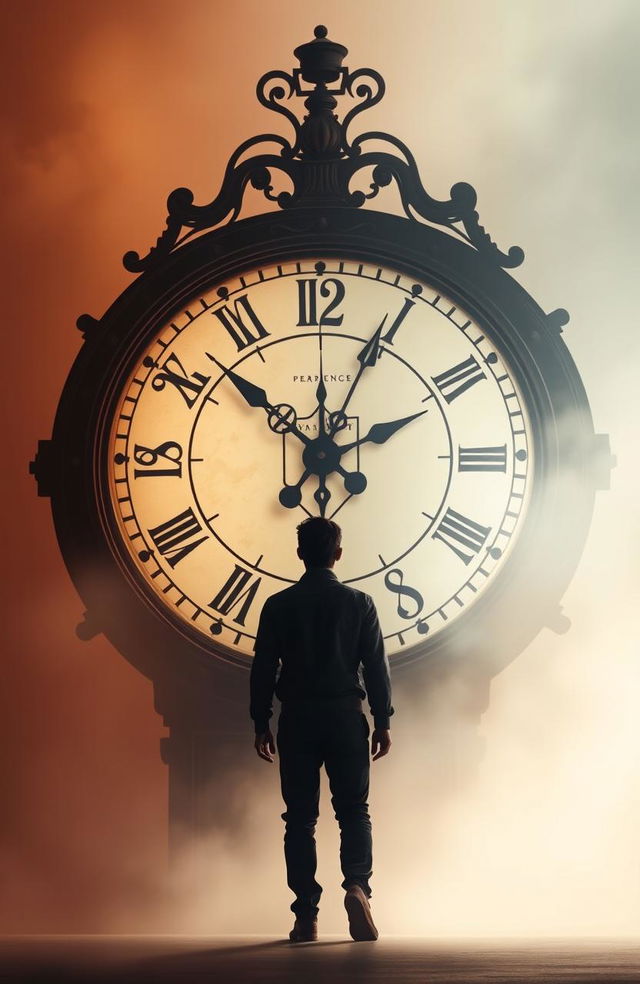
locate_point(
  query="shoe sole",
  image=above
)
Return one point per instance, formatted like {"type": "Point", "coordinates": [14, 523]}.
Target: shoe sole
{"type": "Point", "coordinates": [302, 937]}
{"type": "Point", "coordinates": [361, 925]}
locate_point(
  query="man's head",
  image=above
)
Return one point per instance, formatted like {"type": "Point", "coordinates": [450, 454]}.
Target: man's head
{"type": "Point", "coordinates": [319, 542]}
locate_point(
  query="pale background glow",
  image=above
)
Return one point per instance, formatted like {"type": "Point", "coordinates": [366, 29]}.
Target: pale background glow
{"type": "Point", "coordinates": [534, 103]}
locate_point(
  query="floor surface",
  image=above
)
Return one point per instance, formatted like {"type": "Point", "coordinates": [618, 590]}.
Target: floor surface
{"type": "Point", "coordinates": [332, 960]}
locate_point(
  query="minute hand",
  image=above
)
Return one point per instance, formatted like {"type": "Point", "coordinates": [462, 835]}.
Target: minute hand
{"type": "Point", "coordinates": [380, 433]}
{"type": "Point", "coordinates": [368, 356]}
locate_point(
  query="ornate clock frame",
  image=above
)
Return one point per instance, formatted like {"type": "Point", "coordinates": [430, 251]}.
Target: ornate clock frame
{"type": "Point", "coordinates": [320, 214]}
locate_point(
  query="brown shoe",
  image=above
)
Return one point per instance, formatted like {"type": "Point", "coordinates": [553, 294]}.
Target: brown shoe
{"type": "Point", "coordinates": [361, 924]}
{"type": "Point", "coordinates": [305, 930]}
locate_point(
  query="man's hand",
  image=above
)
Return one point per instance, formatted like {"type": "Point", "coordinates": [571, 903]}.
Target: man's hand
{"type": "Point", "coordinates": [380, 742]}
{"type": "Point", "coordinates": [265, 746]}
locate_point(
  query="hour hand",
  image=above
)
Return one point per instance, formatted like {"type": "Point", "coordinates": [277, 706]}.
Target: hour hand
{"type": "Point", "coordinates": [254, 396]}
{"type": "Point", "coordinates": [281, 418]}
{"type": "Point", "coordinates": [379, 433]}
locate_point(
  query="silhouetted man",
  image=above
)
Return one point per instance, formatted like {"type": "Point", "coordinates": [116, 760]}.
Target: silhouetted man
{"type": "Point", "coordinates": [319, 632]}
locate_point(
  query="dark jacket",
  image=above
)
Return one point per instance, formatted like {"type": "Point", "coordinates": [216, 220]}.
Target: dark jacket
{"type": "Point", "coordinates": [318, 632]}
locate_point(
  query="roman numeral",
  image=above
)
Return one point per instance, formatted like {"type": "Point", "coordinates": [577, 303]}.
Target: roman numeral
{"type": "Point", "coordinates": [459, 378]}
{"type": "Point", "coordinates": [482, 459]}
{"type": "Point", "coordinates": [241, 322]}
{"type": "Point", "coordinates": [177, 537]}
{"type": "Point", "coordinates": [408, 304]}
{"type": "Point", "coordinates": [189, 386]}
{"type": "Point", "coordinates": [308, 302]}
{"type": "Point", "coordinates": [236, 591]}
{"type": "Point", "coordinates": [458, 531]}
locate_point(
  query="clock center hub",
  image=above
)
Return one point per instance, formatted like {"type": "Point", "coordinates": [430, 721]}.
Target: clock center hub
{"type": "Point", "coordinates": [321, 456]}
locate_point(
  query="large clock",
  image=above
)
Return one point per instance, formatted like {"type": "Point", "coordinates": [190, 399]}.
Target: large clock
{"type": "Point", "coordinates": [331, 386]}
{"type": "Point", "coordinates": [320, 358]}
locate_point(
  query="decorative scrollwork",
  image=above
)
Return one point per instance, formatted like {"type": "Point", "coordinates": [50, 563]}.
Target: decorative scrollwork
{"type": "Point", "coordinates": [271, 100]}
{"type": "Point", "coordinates": [458, 211]}
{"type": "Point", "coordinates": [225, 206]}
{"type": "Point", "coordinates": [321, 161]}
{"type": "Point", "coordinates": [261, 181]}
{"type": "Point", "coordinates": [369, 99]}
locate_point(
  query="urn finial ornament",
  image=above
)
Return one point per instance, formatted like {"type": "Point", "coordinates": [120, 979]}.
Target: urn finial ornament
{"type": "Point", "coordinates": [321, 59]}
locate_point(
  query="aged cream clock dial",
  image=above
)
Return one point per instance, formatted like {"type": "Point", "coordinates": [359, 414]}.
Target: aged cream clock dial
{"type": "Point", "coordinates": [319, 387]}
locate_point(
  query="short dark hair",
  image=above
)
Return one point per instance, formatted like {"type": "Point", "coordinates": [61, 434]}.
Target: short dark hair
{"type": "Point", "coordinates": [318, 540]}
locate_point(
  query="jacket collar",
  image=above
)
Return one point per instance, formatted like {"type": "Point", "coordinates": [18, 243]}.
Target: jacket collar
{"type": "Point", "coordinates": [319, 573]}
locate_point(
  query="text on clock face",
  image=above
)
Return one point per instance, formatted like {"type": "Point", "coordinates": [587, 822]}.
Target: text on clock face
{"type": "Point", "coordinates": [328, 377]}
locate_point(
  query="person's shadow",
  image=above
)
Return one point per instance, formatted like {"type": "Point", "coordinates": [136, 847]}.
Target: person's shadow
{"type": "Point", "coordinates": [259, 962]}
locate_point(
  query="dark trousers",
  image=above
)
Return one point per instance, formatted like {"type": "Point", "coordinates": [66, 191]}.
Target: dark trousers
{"type": "Point", "coordinates": [337, 736]}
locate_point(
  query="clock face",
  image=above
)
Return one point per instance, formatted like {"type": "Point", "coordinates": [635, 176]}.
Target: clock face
{"type": "Point", "coordinates": [330, 388]}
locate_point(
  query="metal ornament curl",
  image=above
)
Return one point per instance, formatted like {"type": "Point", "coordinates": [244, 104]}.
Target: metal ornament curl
{"type": "Point", "coordinates": [322, 161]}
